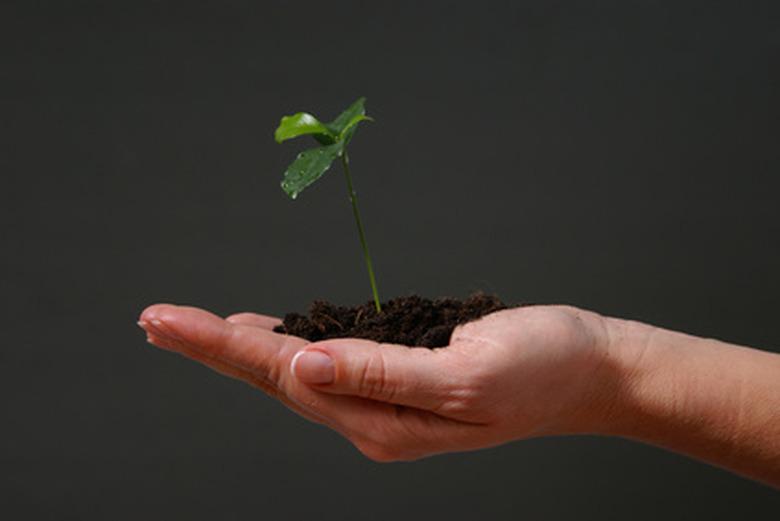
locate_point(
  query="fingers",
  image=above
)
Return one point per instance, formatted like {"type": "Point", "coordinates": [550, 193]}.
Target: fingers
{"type": "Point", "coordinates": [219, 366]}
{"type": "Point", "coordinates": [179, 329]}
{"type": "Point", "coordinates": [258, 381]}
{"type": "Point", "coordinates": [247, 348]}
{"type": "Point", "coordinates": [254, 320]}
{"type": "Point", "coordinates": [415, 377]}
{"type": "Point", "coordinates": [257, 356]}
{"type": "Point", "coordinates": [397, 433]}
{"type": "Point", "coordinates": [382, 431]}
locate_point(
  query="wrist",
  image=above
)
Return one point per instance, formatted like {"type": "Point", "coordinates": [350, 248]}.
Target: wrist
{"type": "Point", "coordinates": [701, 397]}
{"type": "Point", "coordinates": [632, 367]}
{"type": "Point", "coordinates": [668, 385]}
{"type": "Point", "coordinates": [607, 390]}
{"type": "Point", "coordinates": [621, 371]}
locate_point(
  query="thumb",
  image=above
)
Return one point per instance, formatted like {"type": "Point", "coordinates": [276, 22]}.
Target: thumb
{"type": "Point", "coordinates": [416, 377]}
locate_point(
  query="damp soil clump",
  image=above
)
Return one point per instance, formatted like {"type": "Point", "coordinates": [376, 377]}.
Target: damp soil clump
{"type": "Point", "coordinates": [411, 321]}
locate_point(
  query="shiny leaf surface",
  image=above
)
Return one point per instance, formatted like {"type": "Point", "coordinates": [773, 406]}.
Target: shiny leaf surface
{"type": "Point", "coordinates": [301, 124]}
{"type": "Point", "coordinates": [309, 166]}
{"type": "Point", "coordinates": [345, 124]}
{"type": "Point", "coordinates": [349, 129]}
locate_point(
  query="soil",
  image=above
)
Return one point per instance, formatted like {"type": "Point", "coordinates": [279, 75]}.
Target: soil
{"type": "Point", "coordinates": [411, 321]}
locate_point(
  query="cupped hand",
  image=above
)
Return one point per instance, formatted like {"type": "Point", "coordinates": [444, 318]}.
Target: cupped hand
{"type": "Point", "coordinates": [514, 374]}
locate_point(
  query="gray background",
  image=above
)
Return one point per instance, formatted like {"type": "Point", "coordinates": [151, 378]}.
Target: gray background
{"type": "Point", "coordinates": [621, 156]}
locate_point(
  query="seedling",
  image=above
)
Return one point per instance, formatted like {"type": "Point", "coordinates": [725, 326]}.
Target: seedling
{"type": "Point", "coordinates": [312, 163]}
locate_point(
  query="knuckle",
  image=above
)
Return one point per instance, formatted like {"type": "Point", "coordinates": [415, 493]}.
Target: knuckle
{"type": "Point", "coordinates": [377, 452]}
{"type": "Point", "coordinates": [310, 402]}
{"type": "Point", "coordinates": [463, 330]}
{"type": "Point", "coordinates": [235, 317]}
{"type": "Point", "coordinates": [462, 400]}
{"type": "Point", "coordinates": [397, 438]}
{"type": "Point", "coordinates": [386, 439]}
{"type": "Point", "coordinates": [373, 379]}
{"type": "Point", "coordinates": [270, 366]}
{"type": "Point", "coordinates": [468, 397]}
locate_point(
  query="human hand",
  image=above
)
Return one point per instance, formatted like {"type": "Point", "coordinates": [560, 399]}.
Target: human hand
{"type": "Point", "coordinates": [517, 373]}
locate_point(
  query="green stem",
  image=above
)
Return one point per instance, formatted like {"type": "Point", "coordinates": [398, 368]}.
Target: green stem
{"type": "Point", "coordinates": [361, 233]}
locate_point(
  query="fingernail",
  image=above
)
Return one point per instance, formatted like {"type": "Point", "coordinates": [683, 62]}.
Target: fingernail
{"type": "Point", "coordinates": [161, 329]}
{"type": "Point", "coordinates": [313, 367]}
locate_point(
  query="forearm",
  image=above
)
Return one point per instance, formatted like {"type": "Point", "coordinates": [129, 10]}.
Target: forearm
{"type": "Point", "coordinates": [713, 401]}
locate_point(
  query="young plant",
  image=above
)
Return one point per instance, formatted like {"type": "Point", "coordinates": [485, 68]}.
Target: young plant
{"type": "Point", "coordinates": [312, 163]}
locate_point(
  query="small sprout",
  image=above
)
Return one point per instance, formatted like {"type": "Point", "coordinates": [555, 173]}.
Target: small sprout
{"type": "Point", "coordinates": [312, 163]}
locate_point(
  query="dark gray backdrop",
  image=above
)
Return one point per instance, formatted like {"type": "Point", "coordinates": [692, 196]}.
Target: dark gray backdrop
{"type": "Point", "coordinates": [620, 156]}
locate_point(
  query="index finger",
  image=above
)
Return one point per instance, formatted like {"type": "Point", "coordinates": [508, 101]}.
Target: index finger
{"type": "Point", "coordinates": [249, 348]}
{"type": "Point", "coordinates": [382, 431]}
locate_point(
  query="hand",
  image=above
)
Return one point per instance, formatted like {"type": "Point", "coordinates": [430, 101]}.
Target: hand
{"type": "Point", "coordinates": [518, 373]}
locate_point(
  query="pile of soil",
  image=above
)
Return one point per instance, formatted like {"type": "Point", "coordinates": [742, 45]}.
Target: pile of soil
{"type": "Point", "coordinates": [411, 321]}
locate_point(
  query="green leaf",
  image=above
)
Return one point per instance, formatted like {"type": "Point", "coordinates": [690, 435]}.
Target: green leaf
{"type": "Point", "coordinates": [356, 109]}
{"type": "Point", "coordinates": [301, 124]}
{"type": "Point", "coordinates": [349, 129]}
{"type": "Point", "coordinates": [309, 166]}
{"type": "Point", "coordinates": [345, 124]}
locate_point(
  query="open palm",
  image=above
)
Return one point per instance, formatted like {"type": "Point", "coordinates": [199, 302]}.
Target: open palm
{"type": "Point", "coordinates": [513, 374]}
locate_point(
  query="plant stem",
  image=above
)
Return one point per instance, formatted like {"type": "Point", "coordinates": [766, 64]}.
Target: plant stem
{"type": "Point", "coordinates": [361, 233]}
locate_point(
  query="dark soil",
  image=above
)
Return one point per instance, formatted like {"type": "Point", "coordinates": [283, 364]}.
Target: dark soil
{"type": "Point", "coordinates": [411, 321]}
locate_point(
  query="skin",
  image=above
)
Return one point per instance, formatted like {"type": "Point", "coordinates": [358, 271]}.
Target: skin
{"type": "Point", "coordinates": [512, 375]}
